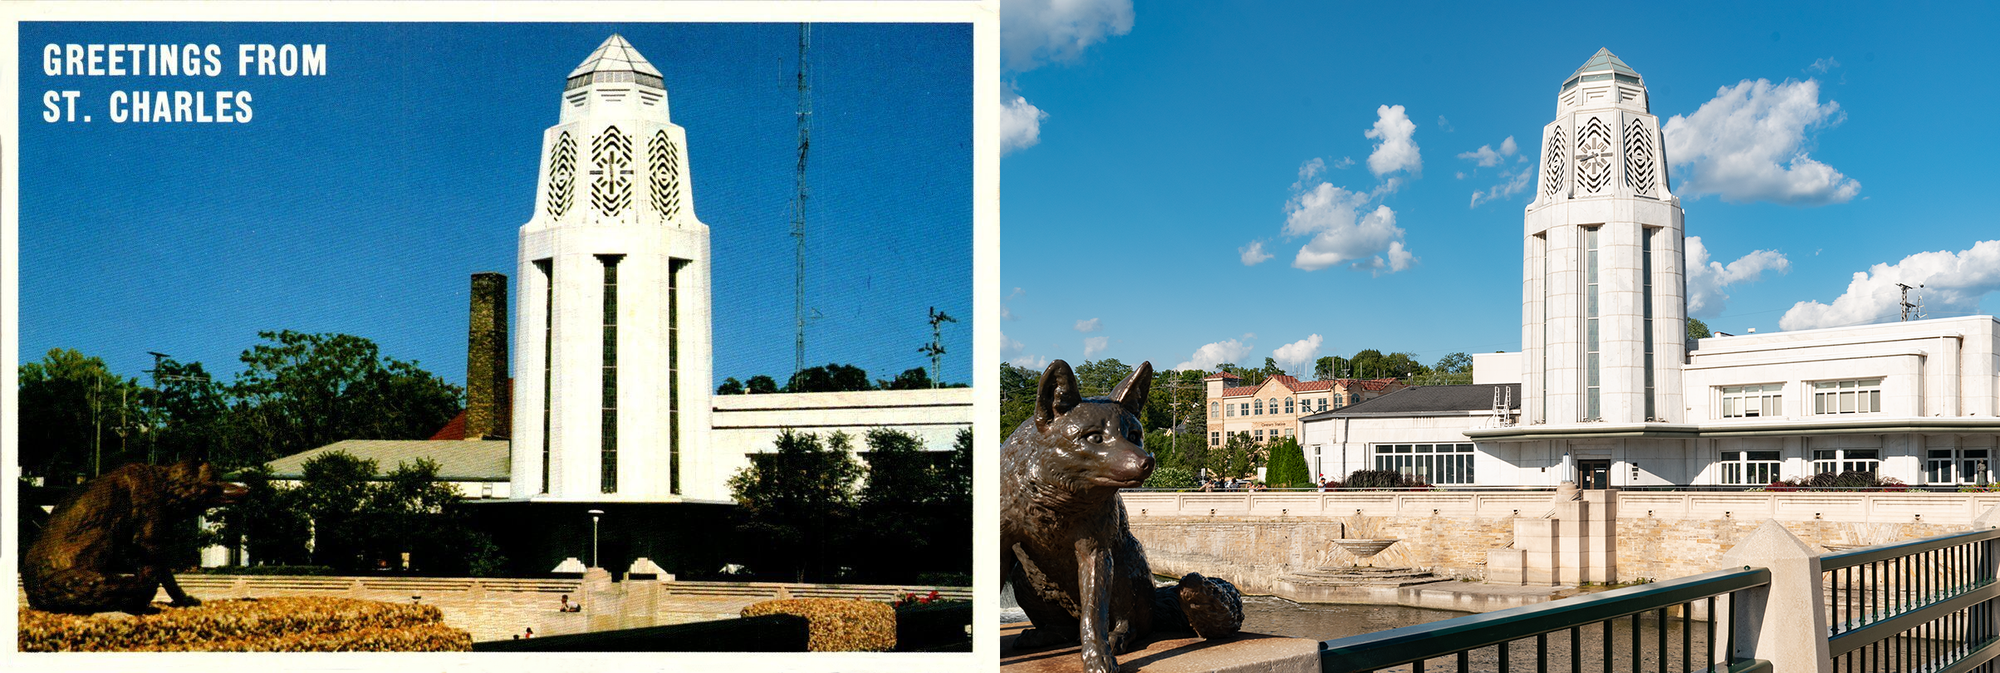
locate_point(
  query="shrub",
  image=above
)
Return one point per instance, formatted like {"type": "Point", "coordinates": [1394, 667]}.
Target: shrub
{"type": "Point", "coordinates": [837, 624]}
{"type": "Point", "coordinates": [284, 624]}
{"type": "Point", "coordinates": [1383, 479]}
{"type": "Point", "coordinates": [1171, 476]}
{"type": "Point", "coordinates": [1851, 480]}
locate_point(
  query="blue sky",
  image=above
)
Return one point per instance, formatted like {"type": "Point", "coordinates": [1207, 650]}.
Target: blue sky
{"type": "Point", "coordinates": [361, 201]}
{"type": "Point", "coordinates": [1150, 148]}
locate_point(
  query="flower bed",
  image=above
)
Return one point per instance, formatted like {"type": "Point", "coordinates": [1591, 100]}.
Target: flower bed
{"type": "Point", "coordinates": [285, 624]}
{"type": "Point", "coordinates": [837, 624]}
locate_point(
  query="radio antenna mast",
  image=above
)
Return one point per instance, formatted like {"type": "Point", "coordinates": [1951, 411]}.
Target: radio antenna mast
{"type": "Point", "coordinates": [799, 202]}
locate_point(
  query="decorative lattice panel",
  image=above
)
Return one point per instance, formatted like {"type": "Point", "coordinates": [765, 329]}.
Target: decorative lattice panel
{"type": "Point", "coordinates": [1552, 179]}
{"type": "Point", "coordinates": [611, 183]}
{"type": "Point", "coordinates": [562, 175]}
{"type": "Point", "coordinates": [1640, 167]}
{"type": "Point", "coordinates": [665, 158]}
{"type": "Point", "coordinates": [1593, 157]}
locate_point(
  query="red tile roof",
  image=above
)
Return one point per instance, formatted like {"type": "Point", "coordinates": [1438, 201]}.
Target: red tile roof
{"type": "Point", "coordinates": [1220, 375]}
{"type": "Point", "coordinates": [1239, 390]}
{"type": "Point", "coordinates": [455, 428]}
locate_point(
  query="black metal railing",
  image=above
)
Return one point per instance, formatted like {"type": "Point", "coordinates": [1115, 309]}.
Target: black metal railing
{"type": "Point", "coordinates": [1567, 635]}
{"type": "Point", "coordinates": [1922, 605]}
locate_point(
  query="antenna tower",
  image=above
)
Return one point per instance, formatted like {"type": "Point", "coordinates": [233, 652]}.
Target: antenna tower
{"type": "Point", "coordinates": [935, 348]}
{"type": "Point", "coordinates": [1912, 311]}
{"type": "Point", "coordinates": [799, 202]}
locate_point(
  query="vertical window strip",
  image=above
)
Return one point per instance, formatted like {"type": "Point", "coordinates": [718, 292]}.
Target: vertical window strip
{"type": "Point", "coordinates": [548, 268]}
{"type": "Point", "coordinates": [1591, 401]}
{"type": "Point", "coordinates": [1542, 374]}
{"type": "Point", "coordinates": [1646, 311]}
{"type": "Point", "coordinates": [608, 428]}
{"type": "Point", "coordinates": [674, 267]}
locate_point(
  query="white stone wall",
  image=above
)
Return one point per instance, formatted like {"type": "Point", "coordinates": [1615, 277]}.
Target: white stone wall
{"type": "Point", "coordinates": [1336, 447]}
{"type": "Point", "coordinates": [747, 424]}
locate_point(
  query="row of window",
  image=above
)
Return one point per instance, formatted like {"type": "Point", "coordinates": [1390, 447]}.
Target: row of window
{"type": "Point", "coordinates": [1215, 438]}
{"type": "Point", "coordinates": [1435, 463]}
{"type": "Point", "coordinates": [1256, 407]}
{"type": "Point", "coordinates": [1941, 466]}
{"type": "Point", "coordinates": [1853, 396]}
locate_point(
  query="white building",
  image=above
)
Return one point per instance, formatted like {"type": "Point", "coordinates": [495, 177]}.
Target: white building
{"type": "Point", "coordinates": [613, 211]}
{"type": "Point", "coordinates": [1607, 378]}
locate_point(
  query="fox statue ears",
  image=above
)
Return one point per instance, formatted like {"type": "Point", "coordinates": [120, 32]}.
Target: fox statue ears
{"type": "Point", "coordinates": [1059, 394]}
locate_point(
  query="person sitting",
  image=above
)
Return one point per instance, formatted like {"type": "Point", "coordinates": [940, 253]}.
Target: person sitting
{"type": "Point", "coordinates": [569, 606]}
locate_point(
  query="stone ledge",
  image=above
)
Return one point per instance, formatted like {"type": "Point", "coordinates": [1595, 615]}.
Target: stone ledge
{"type": "Point", "coordinates": [1247, 653]}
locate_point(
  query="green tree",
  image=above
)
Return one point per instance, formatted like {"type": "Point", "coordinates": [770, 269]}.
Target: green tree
{"type": "Point", "coordinates": [71, 408]}
{"type": "Point", "coordinates": [1018, 387]}
{"type": "Point", "coordinates": [902, 500]}
{"type": "Point", "coordinates": [1097, 378]}
{"type": "Point", "coordinates": [1331, 367]}
{"type": "Point", "coordinates": [1161, 444]}
{"type": "Point", "coordinates": [270, 523]}
{"type": "Point", "coordinates": [302, 391]}
{"type": "Point", "coordinates": [914, 378]}
{"type": "Point", "coordinates": [730, 386]}
{"type": "Point", "coordinates": [1288, 465]}
{"type": "Point", "coordinates": [760, 385]}
{"type": "Point", "coordinates": [1271, 368]}
{"type": "Point", "coordinates": [334, 492]}
{"type": "Point", "coordinates": [191, 418]}
{"type": "Point", "coordinates": [1171, 476]}
{"type": "Point", "coordinates": [829, 378]}
{"type": "Point", "coordinates": [1696, 329]}
{"type": "Point", "coordinates": [799, 500]}
{"type": "Point", "coordinates": [410, 512]}
{"type": "Point", "coordinates": [1454, 363]}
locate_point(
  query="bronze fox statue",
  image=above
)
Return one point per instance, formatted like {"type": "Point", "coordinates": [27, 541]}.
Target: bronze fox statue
{"type": "Point", "coordinates": [105, 546]}
{"type": "Point", "coordinates": [1076, 569]}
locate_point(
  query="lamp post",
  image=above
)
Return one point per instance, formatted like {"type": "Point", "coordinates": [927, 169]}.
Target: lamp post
{"type": "Point", "coordinates": [594, 514]}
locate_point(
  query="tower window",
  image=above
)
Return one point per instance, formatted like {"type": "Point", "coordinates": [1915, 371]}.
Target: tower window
{"type": "Point", "coordinates": [548, 269]}
{"type": "Point", "coordinates": [674, 267]}
{"type": "Point", "coordinates": [608, 428]}
{"type": "Point", "coordinates": [1591, 404]}
{"type": "Point", "coordinates": [1646, 310]}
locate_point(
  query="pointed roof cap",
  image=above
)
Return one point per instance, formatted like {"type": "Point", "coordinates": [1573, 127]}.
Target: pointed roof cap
{"type": "Point", "coordinates": [614, 61]}
{"type": "Point", "coordinates": [1605, 60]}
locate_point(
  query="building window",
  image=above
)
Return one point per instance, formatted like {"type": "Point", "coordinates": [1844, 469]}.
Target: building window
{"type": "Point", "coordinates": [1288, 432]}
{"type": "Point", "coordinates": [1855, 396]}
{"type": "Point", "coordinates": [1215, 439]}
{"type": "Point", "coordinates": [1288, 405]}
{"type": "Point", "coordinates": [608, 439]}
{"type": "Point", "coordinates": [1260, 408]}
{"type": "Point", "coordinates": [1322, 404]}
{"type": "Point", "coordinates": [1646, 304]}
{"type": "Point", "coordinates": [1260, 435]}
{"type": "Point", "coordinates": [548, 269]}
{"type": "Point", "coordinates": [1435, 463]}
{"type": "Point", "coordinates": [674, 267]}
{"type": "Point", "coordinates": [1750, 468]}
{"type": "Point", "coordinates": [1229, 409]}
{"type": "Point", "coordinates": [1214, 410]}
{"type": "Point", "coordinates": [1973, 467]}
{"type": "Point", "coordinates": [1836, 461]}
{"type": "Point", "coordinates": [1753, 401]}
{"type": "Point", "coordinates": [1592, 409]}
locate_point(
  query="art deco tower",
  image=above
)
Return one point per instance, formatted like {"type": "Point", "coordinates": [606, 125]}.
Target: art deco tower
{"type": "Point", "coordinates": [1603, 310]}
{"type": "Point", "coordinates": [612, 351]}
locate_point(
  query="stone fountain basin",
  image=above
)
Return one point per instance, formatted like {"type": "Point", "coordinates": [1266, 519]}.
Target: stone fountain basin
{"type": "Point", "coordinates": [1364, 548]}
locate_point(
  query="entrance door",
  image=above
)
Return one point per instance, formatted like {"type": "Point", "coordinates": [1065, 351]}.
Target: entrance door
{"type": "Point", "coordinates": [1593, 473]}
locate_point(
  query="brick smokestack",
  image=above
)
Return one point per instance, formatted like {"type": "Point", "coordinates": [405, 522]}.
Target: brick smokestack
{"type": "Point", "coordinates": [488, 407]}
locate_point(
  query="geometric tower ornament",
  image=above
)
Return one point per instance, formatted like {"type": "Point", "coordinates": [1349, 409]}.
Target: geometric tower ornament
{"type": "Point", "coordinates": [613, 349]}
{"type": "Point", "coordinates": [1603, 304]}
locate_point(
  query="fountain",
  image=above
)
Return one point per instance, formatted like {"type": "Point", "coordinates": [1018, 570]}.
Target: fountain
{"type": "Point", "coordinates": [1338, 580]}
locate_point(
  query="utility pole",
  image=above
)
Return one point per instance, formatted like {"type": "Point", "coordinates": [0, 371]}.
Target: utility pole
{"type": "Point", "coordinates": [159, 367]}
{"type": "Point", "coordinates": [935, 348]}
{"type": "Point", "coordinates": [1911, 310]}
{"type": "Point", "coordinates": [799, 202]}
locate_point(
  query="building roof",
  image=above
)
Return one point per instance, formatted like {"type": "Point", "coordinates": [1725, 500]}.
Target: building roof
{"type": "Point", "coordinates": [1297, 386]}
{"type": "Point", "coordinates": [1428, 399]}
{"type": "Point", "coordinates": [1604, 60]}
{"type": "Point", "coordinates": [458, 460]}
{"type": "Point", "coordinates": [615, 61]}
{"type": "Point", "coordinates": [1220, 375]}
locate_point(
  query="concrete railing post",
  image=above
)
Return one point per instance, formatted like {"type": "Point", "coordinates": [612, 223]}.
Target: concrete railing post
{"type": "Point", "coordinates": [1783, 623]}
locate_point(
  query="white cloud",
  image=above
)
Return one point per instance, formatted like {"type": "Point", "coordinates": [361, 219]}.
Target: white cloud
{"type": "Point", "coordinates": [1034, 32]}
{"type": "Point", "coordinates": [1397, 149]}
{"type": "Point", "coordinates": [1344, 163]}
{"type": "Point", "coordinates": [1095, 345]}
{"type": "Point", "coordinates": [1007, 312]}
{"type": "Point", "coordinates": [1824, 64]}
{"type": "Point", "coordinates": [1088, 326]}
{"type": "Point", "coordinates": [1445, 124]}
{"type": "Point", "coordinates": [1253, 254]}
{"type": "Point", "coordinates": [1706, 280]}
{"type": "Point", "coordinates": [1297, 355]}
{"type": "Point", "coordinates": [1009, 348]}
{"type": "Point", "coordinates": [1310, 170]}
{"type": "Point", "coordinates": [1033, 362]}
{"type": "Point", "coordinates": [1516, 181]}
{"type": "Point", "coordinates": [1954, 283]}
{"type": "Point", "coordinates": [1020, 124]}
{"type": "Point", "coordinates": [1207, 357]}
{"type": "Point", "coordinates": [1749, 144]}
{"type": "Point", "coordinates": [1487, 156]}
{"type": "Point", "coordinates": [1340, 231]}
